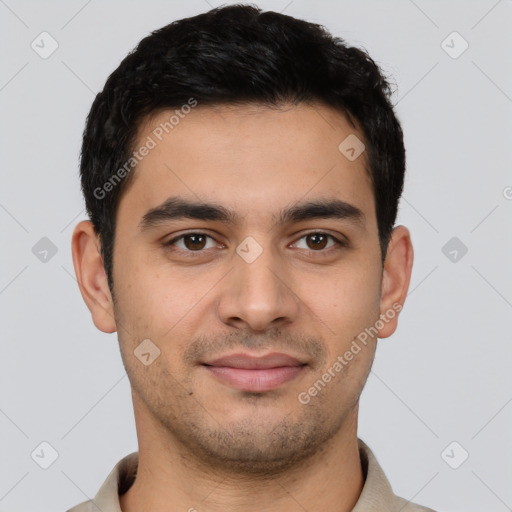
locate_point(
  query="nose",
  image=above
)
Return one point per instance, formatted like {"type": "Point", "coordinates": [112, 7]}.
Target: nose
{"type": "Point", "coordinates": [259, 295]}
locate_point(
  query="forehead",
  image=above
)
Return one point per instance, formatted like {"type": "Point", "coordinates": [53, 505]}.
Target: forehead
{"type": "Point", "coordinates": [252, 158]}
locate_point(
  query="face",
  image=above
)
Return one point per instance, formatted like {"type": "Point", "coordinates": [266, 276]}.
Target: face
{"type": "Point", "coordinates": [247, 252]}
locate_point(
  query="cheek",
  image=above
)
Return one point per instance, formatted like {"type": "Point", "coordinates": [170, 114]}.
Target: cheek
{"type": "Point", "coordinates": [347, 304]}
{"type": "Point", "coordinates": [345, 299]}
{"type": "Point", "coordinates": [162, 302]}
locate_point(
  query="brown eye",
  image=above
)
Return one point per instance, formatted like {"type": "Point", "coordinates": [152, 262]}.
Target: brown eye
{"type": "Point", "coordinates": [191, 242]}
{"type": "Point", "coordinates": [194, 242]}
{"type": "Point", "coordinates": [320, 242]}
{"type": "Point", "coordinates": [317, 240]}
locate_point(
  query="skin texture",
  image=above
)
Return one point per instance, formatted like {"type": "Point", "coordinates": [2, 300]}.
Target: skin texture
{"type": "Point", "coordinates": [204, 444]}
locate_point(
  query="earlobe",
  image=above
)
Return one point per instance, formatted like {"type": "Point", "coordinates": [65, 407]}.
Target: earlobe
{"type": "Point", "coordinates": [91, 276]}
{"type": "Point", "coordinates": [395, 279]}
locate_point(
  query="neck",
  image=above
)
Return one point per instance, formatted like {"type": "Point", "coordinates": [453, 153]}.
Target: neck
{"type": "Point", "coordinates": [171, 479]}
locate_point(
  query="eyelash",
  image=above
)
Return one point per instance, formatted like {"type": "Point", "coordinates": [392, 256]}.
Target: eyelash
{"type": "Point", "coordinates": [340, 243]}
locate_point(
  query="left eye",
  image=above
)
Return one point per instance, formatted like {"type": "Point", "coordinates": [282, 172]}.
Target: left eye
{"type": "Point", "coordinates": [318, 241]}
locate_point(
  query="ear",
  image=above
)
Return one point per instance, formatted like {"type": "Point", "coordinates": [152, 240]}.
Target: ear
{"type": "Point", "coordinates": [91, 276]}
{"type": "Point", "coordinates": [395, 279]}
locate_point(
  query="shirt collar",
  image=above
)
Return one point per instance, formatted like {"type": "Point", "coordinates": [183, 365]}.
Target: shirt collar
{"type": "Point", "coordinates": [376, 496]}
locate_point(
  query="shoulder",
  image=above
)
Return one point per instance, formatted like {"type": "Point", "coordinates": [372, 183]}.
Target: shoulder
{"type": "Point", "coordinates": [117, 482]}
{"type": "Point", "coordinates": [85, 506]}
{"type": "Point", "coordinates": [404, 506]}
{"type": "Point", "coordinates": [377, 494]}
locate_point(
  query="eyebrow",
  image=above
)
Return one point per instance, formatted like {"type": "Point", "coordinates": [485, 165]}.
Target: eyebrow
{"type": "Point", "coordinates": [177, 208]}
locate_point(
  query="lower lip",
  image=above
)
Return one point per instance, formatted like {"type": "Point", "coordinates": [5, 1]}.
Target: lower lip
{"type": "Point", "coordinates": [255, 380]}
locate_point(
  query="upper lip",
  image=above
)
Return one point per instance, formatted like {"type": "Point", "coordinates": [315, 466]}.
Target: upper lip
{"type": "Point", "coordinates": [253, 362]}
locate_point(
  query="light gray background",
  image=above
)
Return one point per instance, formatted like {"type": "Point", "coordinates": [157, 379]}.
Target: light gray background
{"type": "Point", "coordinates": [443, 377]}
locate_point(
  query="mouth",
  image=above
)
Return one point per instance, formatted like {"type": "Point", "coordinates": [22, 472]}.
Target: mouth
{"type": "Point", "coordinates": [255, 374]}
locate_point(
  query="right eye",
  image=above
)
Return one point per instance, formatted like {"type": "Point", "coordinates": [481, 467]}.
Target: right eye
{"type": "Point", "coordinates": [190, 242]}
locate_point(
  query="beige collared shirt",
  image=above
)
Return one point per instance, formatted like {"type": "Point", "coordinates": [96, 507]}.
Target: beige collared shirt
{"type": "Point", "coordinates": [376, 496]}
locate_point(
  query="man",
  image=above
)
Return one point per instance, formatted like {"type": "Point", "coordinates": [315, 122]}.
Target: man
{"type": "Point", "coordinates": [242, 171]}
